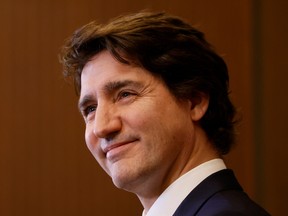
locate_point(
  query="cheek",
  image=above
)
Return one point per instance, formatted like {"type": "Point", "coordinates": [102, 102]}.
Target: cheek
{"type": "Point", "coordinates": [92, 144]}
{"type": "Point", "coordinates": [88, 139]}
{"type": "Point", "coordinates": [164, 129]}
{"type": "Point", "coordinates": [94, 147]}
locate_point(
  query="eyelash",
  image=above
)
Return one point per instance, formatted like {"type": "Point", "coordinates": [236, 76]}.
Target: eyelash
{"type": "Point", "coordinates": [89, 110]}
{"type": "Point", "coordinates": [124, 94]}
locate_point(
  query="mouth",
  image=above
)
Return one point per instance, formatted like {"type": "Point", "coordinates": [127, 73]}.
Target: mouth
{"type": "Point", "coordinates": [115, 150]}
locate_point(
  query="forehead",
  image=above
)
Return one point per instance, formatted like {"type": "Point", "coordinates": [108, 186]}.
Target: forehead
{"type": "Point", "coordinates": [103, 68]}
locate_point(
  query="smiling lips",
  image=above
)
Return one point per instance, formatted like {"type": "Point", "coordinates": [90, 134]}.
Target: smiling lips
{"type": "Point", "coordinates": [116, 149]}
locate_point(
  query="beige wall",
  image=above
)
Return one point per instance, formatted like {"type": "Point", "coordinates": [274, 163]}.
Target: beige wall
{"type": "Point", "coordinates": [45, 168]}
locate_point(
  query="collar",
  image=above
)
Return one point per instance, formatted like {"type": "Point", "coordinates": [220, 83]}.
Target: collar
{"type": "Point", "coordinates": [170, 199]}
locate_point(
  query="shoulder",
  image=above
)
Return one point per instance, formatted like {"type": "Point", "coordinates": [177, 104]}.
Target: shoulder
{"type": "Point", "coordinates": [220, 194]}
{"type": "Point", "coordinates": [231, 203]}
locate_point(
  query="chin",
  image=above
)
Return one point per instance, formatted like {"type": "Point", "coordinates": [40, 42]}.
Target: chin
{"type": "Point", "coordinates": [126, 180]}
{"type": "Point", "coordinates": [122, 181]}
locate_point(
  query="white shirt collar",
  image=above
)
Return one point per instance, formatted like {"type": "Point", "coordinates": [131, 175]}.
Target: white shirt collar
{"type": "Point", "coordinates": [171, 198]}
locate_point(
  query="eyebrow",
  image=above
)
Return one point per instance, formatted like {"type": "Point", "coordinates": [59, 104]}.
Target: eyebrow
{"type": "Point", "coordinates": [109, 88]}
{"type": "Point", "coordinates": [84, 101]}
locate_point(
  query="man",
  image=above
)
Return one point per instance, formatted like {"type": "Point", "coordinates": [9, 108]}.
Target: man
{"type": "Point", "coordinates": [154, 97]}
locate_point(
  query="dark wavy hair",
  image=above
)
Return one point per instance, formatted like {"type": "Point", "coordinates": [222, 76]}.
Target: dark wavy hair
{"type": "Point", "coordinates": [168, 47]}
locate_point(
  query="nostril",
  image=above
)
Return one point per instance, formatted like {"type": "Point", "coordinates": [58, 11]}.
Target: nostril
{"type": "Point", "coordinates": [111, 136]}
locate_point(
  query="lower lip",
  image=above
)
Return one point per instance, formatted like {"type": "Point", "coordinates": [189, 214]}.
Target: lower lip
{"type": "Point", "coordinates": [118, 152]}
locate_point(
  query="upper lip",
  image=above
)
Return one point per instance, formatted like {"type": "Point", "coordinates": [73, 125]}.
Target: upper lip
{"type": "Point", "coordinates": [109, 147]}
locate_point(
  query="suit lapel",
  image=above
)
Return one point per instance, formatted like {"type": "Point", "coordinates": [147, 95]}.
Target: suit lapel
{"type": "Point", "coordinates": [219, 181]}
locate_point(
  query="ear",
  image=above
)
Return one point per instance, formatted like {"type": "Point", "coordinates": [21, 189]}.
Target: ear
{"type": "Point", "coordinates": [199, 106]}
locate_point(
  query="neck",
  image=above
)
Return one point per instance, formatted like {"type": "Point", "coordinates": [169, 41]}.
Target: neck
{"type": "Point", "coordinates": [201, 152]}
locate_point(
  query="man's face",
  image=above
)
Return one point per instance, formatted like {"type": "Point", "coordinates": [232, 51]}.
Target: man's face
{"type": "Point", "coordinates": [136, 129]}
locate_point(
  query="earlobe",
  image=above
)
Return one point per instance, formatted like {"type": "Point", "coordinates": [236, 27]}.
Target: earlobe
{"type": "Point", "coordinates": [199, 106]}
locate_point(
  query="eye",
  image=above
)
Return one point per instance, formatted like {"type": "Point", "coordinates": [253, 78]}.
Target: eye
{"type": "Point", "coordinates": [124, 94]}
{"type": "Point", "coordinates": [88, 110]}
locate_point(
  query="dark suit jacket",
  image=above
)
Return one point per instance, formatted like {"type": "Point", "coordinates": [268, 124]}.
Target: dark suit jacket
{"type": "Point", "coordinates": [219, 195]}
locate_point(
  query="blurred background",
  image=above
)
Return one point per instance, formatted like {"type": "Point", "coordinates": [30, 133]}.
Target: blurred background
{"type": "Point", "coordinates": [45, 168]}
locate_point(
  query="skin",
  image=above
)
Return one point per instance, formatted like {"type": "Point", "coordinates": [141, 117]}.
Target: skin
{"type": "Point", "coordinates": [139, 133]}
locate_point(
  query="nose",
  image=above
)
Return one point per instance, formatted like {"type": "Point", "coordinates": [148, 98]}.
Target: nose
{"type": "Point", "coordinates": [107, 123]}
